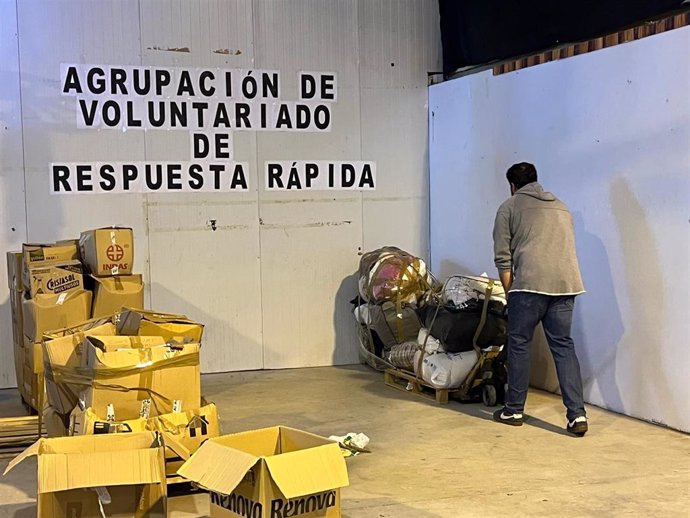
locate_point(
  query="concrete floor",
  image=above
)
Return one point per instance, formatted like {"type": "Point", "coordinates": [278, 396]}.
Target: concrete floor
{"type": "Point", "coordinates": [431, 461]}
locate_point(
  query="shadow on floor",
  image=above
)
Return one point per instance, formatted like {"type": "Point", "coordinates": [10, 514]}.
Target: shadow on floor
{"type": "Point", "coordinates": [377, 387]}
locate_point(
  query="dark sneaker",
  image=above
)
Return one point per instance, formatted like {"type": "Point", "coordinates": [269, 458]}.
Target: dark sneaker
{"type": "Point", "coordinates": [578, 426]}
{"type": "Point", "coordinates": [507, 417]}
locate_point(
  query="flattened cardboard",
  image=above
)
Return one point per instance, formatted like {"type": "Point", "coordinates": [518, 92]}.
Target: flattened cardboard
{"type": "Point", "coordinates": [129, 466]}
{"type": "Point", "coordinates": [44, 313]}
{"type": "Point", "coordinates": [108, 251]}
{"type": "Point", "coordinates": [55, 279]}
{"type": "Point", "coordinates": [15, 264]}
{"type": "Point", "coordinates": [128, 369]}
{"type": "Point", "coordinates": [295, 474]}
{"type": "Point", "coordinates": [111, 294]}
{"type": "Point", "coordinates": [131, 321]}
{"type": "Point", "coordinates": [62, 349]}
{"type": "Point", "coordinates": [183, 432]}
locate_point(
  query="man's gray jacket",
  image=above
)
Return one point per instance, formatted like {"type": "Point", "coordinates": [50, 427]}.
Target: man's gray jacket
{"type": "Point", "coordinates": [534, 237]}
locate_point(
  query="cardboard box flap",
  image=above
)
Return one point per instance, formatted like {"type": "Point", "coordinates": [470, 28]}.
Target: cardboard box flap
{"type": "Point", "coordinates": [32, 450]}
{"type": "Point", "coordinates": [217, 468]}
{"type": "Point", "coordinates": [142, 352]}
{"type": "Point", "coordinates": [309, 471]}
{"type": "Point", "coordinates": [66, 350]}
{"type": "Point", "coordinates": [96, 326]}
{"type": "Point", "coordinates": [93, 443]}
{"type": "Point", "coordinates": [63, 471]}
{"type": "Point", "coordinates": [132, 321]}
{"type": "Point", "coordinates": [261, 443]}
{"type": "Point", "coordinates": [292, 439]}
{"type": "Point", "coordinates": [154, 316]}
{"type": "Point", "coordinates": [109, 343]}
{"type": "Point", "coordinates": [176, 446]}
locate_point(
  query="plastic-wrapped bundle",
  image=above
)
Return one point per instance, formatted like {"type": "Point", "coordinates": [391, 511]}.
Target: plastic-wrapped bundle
{"type": "Point", "coordinates": [392, 274]}
{"type": "Point", "coordinates": [402, 355]}
{"type": "Point", "coordinates": [446, 371]}
{"type": "Point", "coordinates": [460, 289]}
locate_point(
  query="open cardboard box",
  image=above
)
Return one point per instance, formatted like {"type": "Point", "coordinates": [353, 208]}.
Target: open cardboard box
{"type": "Point", "coordinates": [123, 371]}
{"type": "Point", "coordinates": [183, 432]}
{"type": "Point", "coordinates": [132, 321]}
{"type": "Point", "coordinates": [62, 353]}
{"type": "Point", "coordinates": [273, 472]}
{"type": "Point", "coordinates": [119, 475]}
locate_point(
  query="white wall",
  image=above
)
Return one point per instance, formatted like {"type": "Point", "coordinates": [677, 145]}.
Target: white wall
{"type": "Point", "coordinates": [272, 283]}
{"type": "Point", "coordinates": [12, 209]}
{"type": "Point", "coordinates": [609, 133]}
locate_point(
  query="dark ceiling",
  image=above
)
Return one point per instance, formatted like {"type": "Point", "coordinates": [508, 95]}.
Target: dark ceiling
{"type": "Point", "coordinates": [476, 32]}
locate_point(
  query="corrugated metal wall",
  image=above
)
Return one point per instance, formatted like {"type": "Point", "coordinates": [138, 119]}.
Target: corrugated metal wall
{"type": "Point", "coordinates": [273, 281]}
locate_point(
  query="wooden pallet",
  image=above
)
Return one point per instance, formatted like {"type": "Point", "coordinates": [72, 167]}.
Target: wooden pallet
{"type": "Point", "coordinates": [16, 433]}
{"type": "Point", "coordinates": [408, 382]}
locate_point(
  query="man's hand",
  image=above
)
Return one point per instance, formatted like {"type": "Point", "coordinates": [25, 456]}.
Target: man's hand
{"type": "Point", "coordinates": [507, 280]}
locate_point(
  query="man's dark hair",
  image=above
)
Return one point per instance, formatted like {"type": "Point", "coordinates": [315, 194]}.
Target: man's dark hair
{"type": "Point", "coordinates": [521, 174]}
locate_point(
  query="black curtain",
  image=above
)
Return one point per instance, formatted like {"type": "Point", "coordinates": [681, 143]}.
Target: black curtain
{"type": "Point", "coordinates": [474, 32]}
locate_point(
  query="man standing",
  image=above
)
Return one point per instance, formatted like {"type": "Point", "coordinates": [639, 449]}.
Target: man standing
{"type": "Point", "coordinates": [534, 252]}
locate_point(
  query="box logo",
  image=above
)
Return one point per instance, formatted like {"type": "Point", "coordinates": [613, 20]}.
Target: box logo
{"type": "Point", "coordinates": [299, 506]}
{"type": "Point", "coordinates": [115, 253]}
{"type": "Point", "coordinates": [238, 504]}
{"type": "Point", "coordinates": [62, 284]}
{"type": "Point", "coordinates": [198, 423]}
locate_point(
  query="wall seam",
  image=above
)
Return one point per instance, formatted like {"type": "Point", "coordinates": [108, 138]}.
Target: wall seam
{"type": "Point", "coordinates": [146, 196]}
{"type": "Point", "coordinates": [21, 120]}
{"type": "Point", "coordinates": [359, 105]}
{"type": "Point", "coordinates": [258, 199]}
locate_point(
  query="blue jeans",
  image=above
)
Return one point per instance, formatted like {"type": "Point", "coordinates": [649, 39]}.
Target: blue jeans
{"type": "Point", "coordinates": [525, 311]}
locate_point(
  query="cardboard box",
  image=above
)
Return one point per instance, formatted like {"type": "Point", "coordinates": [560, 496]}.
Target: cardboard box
{"type": "Point", "coordinates": [55, 279]}
{"type": "Point", "coordinates": [111, 294]}
{"type": "Point", "coordinates": [274, 472]}
{"type": "Point", "coordinates": [151, 323]}
{"type": "Point", "coordinates": [126, 370]}
{"type": "Point", "coordinates": [124, 471]}
{"type": "Point", "coordinates": [183, 432]}
{"type": "Point", "coordinates": [32, 388]}
{"type": "Point", "coordinates": [62, 357]}
{"type": "Point", "coordinates": [49, 254]}
{"type": "Point", "coordinates": [33, 385]}
{"type": "Point", "coordinates": [17, 333]}
{"type": "Point", "coordinates": [108, 251]}
{"type": "Point", "coordinates": [33, 355]}
{"type": "Point", "coordinates": [14, 271]}
{"type": "Point", "coordinates": [47, 312]}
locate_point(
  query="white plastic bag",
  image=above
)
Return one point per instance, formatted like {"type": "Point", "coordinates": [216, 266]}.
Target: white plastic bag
{"type": "Point", "coordinates": [433, 345]}
{"type": "Point", "coordinates": [446, 371]}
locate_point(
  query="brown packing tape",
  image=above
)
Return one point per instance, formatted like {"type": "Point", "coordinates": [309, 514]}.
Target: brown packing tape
{"type": "Point", "coordinates": [98, 378]}
{"type": "Point", "coordinates": [84, 375]}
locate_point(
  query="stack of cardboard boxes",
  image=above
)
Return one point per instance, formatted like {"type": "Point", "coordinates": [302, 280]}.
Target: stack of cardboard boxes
{"type": "Point", "coordinates": [49, 290]}
{"type": "Point", "coordinates": [133, 372]}
{"type": "Point", "coordinates": [108, 254]}
{"type": "Point", "coordinates": [124, 412]}
{"type": "Point", "coordinates": [47, 286]}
